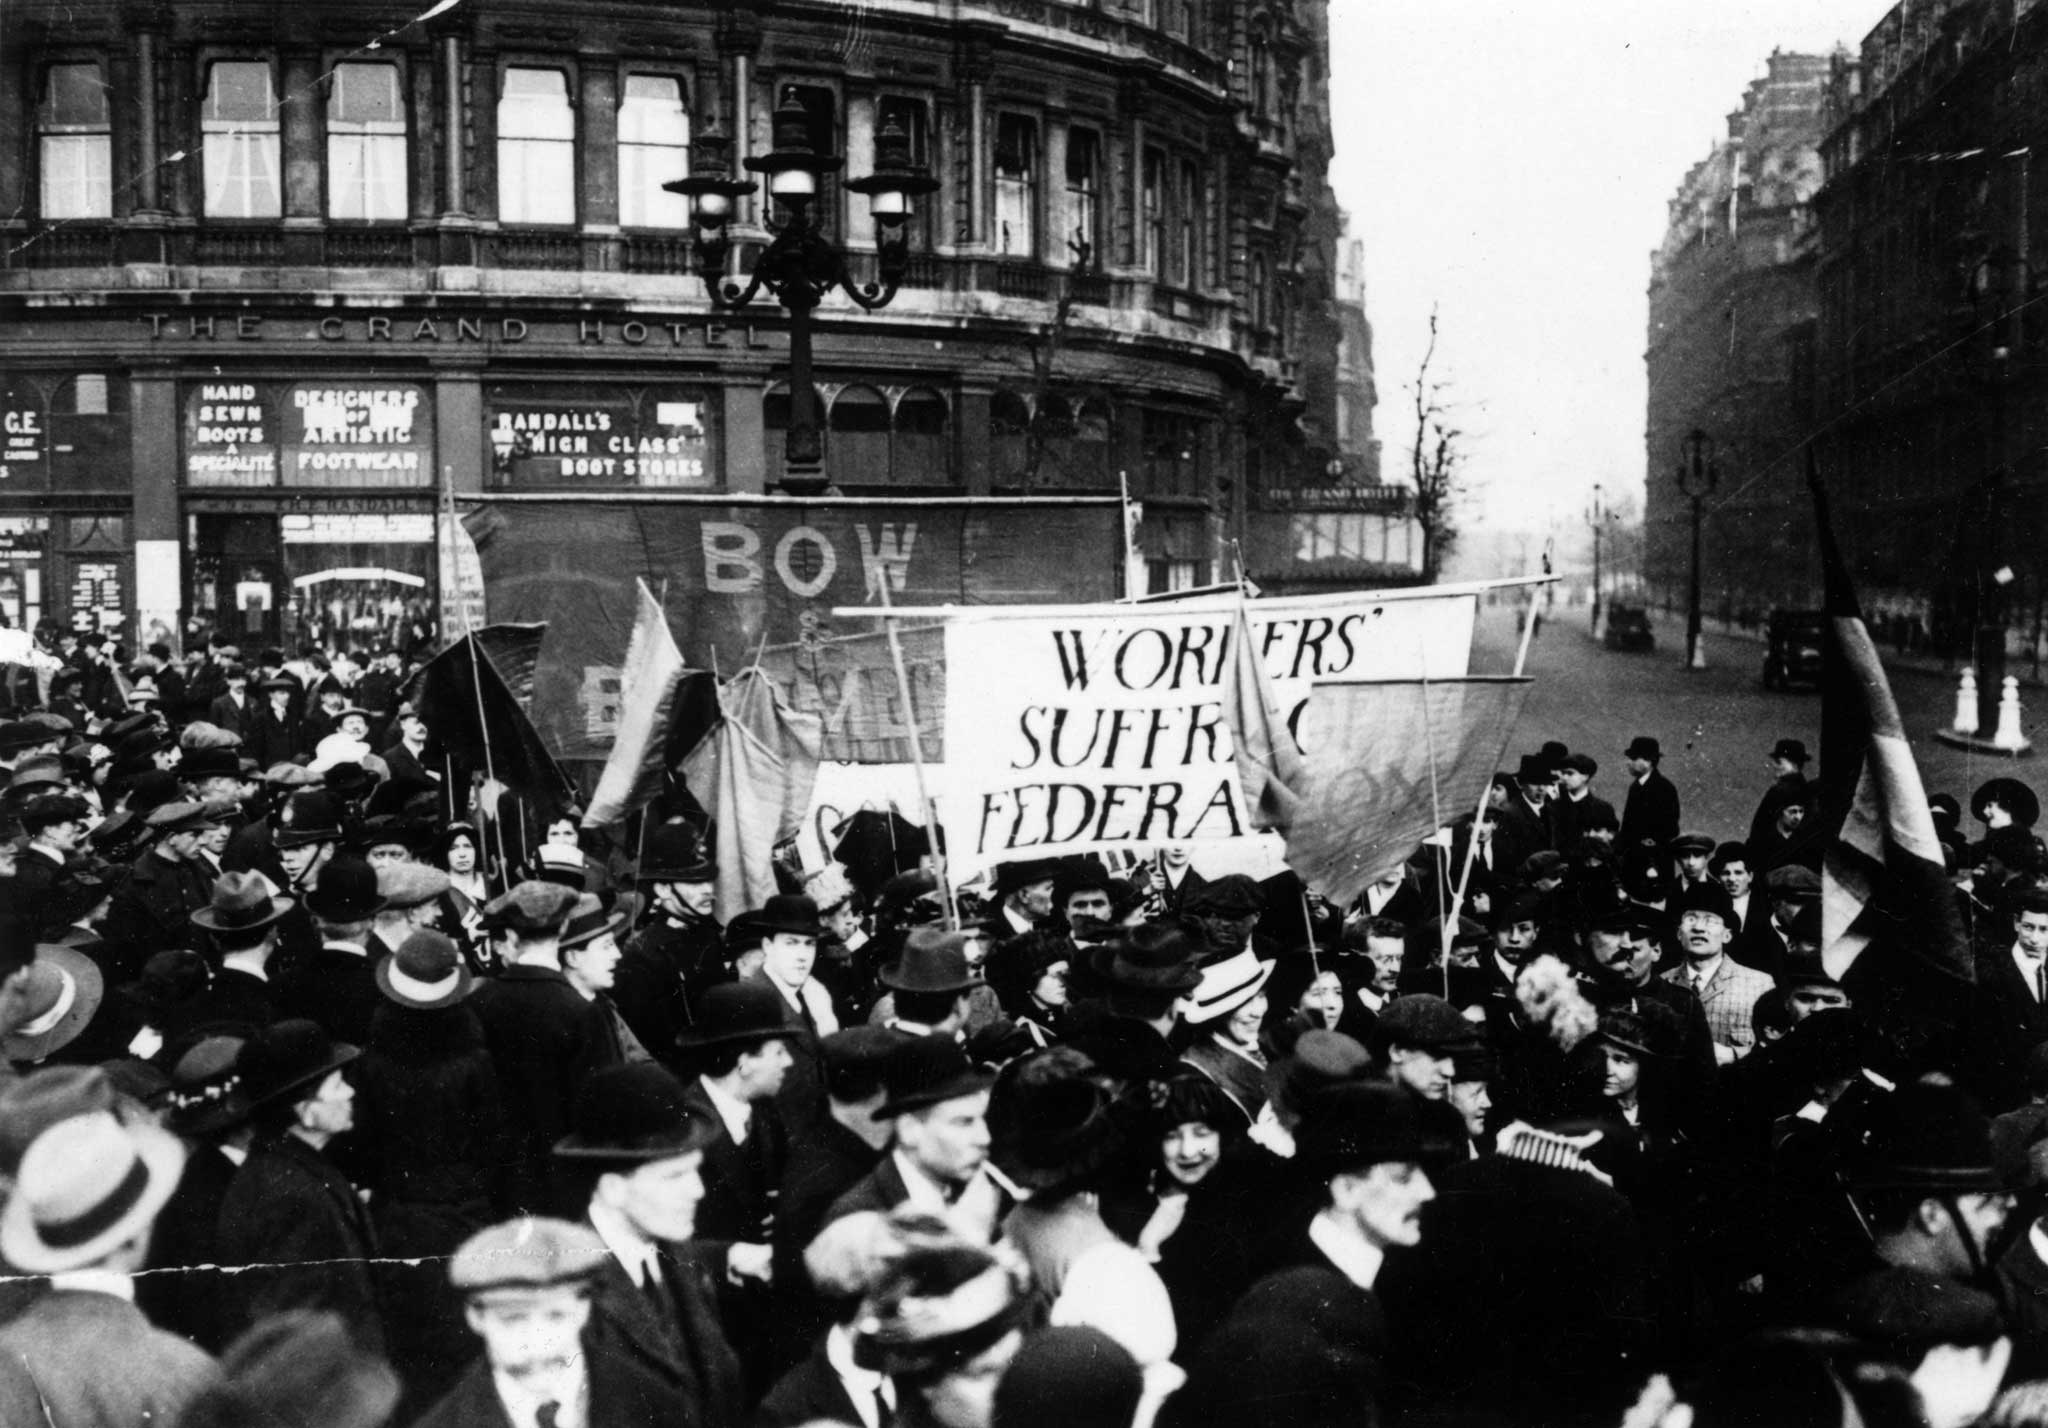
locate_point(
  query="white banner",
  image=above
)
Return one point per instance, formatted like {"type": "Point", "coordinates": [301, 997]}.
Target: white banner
{"type": "Point", "coordinates": [1101, 727]}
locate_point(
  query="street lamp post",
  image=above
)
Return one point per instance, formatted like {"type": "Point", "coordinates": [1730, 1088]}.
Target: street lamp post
{"type": "Point", "coordinates": [1697, 479]}
{"type": "Point", "coordinates": [1598, 518]}
{"type": "Point", "coordinates": [802, 266]}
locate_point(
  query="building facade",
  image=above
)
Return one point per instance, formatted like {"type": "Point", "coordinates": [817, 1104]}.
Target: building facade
{"type": "Point", "coordinates": [1731, 312]}
{"type": "Point", "coordinates": [1929, 368]}
{"type": "Point", "coordinates": [281, 284]}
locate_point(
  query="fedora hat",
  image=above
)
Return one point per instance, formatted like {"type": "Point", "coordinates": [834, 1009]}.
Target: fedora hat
{"type": "Point", "coordinates": [64, 990]}
{"type": "Point", "coordinates": [924, 1071]}
{"type": "Point", "coordinates": [345, 891]}
{"type": "Point", "coordinates": [590, 919]}
{"type": "Point", "coordinates": [675, 854]}
{"type": "Point", "coordinates": [309, 816]}
{"type": "Point", "coordinates": [426, 973]}
{"type": "Point", "coordinates": [1050, 1126]}
{"type": "Point", "coordinates": [206, 1087]}
{"type": "Point", "coordinates": [791, 913]}
{"type": "Point", "coordinates": [932, 960]}
{"type": "Point", "coordinates": [1153, 957]}
{"type": "Point", "coordinates": [87, 1186]}
{"type": "Point", "coordinates": [242, 902]}
{"type": "Point", "coordinates": [737, 1014]}
{"type": "Point", "coordinates": [286, 1057]}
{"type": "Point", "coordinates": [632, 1114]}
{"type": "Point", "coordinates": [1226, 986]}
{"type": "Point", "coordinates": [1642, 746]}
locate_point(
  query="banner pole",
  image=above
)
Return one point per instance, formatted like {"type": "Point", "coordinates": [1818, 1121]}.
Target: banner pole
{"type": "Point", "coordinates": [924, 797]}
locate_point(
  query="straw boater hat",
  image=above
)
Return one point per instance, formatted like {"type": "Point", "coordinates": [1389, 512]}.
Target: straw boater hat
{"type": "Point", "coordinates": [1225, 987]}
{"type": "Point", "coordinates": [87, 1186]}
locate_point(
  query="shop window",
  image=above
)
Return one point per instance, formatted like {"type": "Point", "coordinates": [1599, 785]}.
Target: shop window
{"type": "Point", "coordinates": [1152, 220]}
{"type": "Point", "coordinates": [89, 394]}
{"type": "Point", "coordinates": [1009, 426]}
{"type": "Point", "coordinates": [654, 148]}
{"type": "Point", "coordinates": [365, 143]}
{"type": "Point", "coordinates": [536, 148]}
{"type": "Point", "coordinates": [564, 434]}
{"type": "Point", "coordinates": [341, 577]}
{"type": "Point", "coordinates": [860, 437]}
{"type": "Point", "coordinates": [1166, 577]}
{"type": "Point", "coordinates": [63, 433]}
{"type": "Point", "coordinates": [922, 454]}
{"type": "Point", "coordinates": [1016, 186]}
{"type": "Point", "coordinates": [75, 143]}
{"type": "Point", "coordinates": [1171, 447]}
{"type": "Point", "coordinates": [239, 141]}
{"type": "Point", "coordinates": [1192, 205]}
{"type": "Point", "coordinates": [1084, 197]}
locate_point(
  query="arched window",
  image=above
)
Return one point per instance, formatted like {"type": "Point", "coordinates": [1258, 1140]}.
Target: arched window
{"type": "Point", "coordinates": [1009, 420]}
{"type": "Point", "coordinates": [922, 455]}
{"type": "Point", "coordinates": [860, 437]}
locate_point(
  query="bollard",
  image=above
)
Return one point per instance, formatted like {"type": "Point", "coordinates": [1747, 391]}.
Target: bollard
{"type": "Point", "coordinates": [2009, 736]}
{"type": "Point", "coordinates": [1966, 702]}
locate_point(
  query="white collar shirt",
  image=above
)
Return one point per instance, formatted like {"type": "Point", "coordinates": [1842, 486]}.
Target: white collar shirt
{"type": "Point", "coordinates": [863, 1386]}
{"type": "Point", "coordinates": [522, 1401]}
{"type": "Point", "coordinates": [1355, 1260]}
{"type": "Point", "coordinates": [737, 1114]}
{"type": "Point", "coordinates": [633, 1250]}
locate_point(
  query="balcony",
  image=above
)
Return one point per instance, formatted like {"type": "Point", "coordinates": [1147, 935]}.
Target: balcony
{"type": "Point", "coordinates": [651, 253]}
{"type": "Point", "coordinates": [238, 247]}
{"type": "Point", "coordinates": [1090, 287]}
{"type": "Point", "coordinates": [1021, 280]}
{"type": "Point", "coordinates": [69, 245]}
{"type": "Point", "coordinates": [557, 251]}
{"type": "Point", "coordinates": [369, 248]}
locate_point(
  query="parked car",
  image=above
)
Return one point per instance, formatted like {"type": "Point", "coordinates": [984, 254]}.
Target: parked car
{"type": "Point", "coordinates": [1792, 642]}
{"type": "Point", "coordinates": [1628, 628]}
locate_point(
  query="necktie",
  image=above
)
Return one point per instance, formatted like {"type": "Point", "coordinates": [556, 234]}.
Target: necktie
{"type": "Point", "coordinates": [2041, 980]}
{"type": "Point", "coordinates": [547, 1415]}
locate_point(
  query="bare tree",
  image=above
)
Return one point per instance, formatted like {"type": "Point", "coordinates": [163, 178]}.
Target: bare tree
{"type": "Point", "coordinates": [1437, 462]}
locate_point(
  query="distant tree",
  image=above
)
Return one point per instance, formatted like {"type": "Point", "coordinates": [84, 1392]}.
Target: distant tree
{"type": "Point", "coordinates": [1436, 462]}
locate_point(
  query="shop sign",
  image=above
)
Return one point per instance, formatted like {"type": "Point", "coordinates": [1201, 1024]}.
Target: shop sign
{"type": "Point", "coordinates": [598, 438]}
{"type": "Point", "coordinates": [308, 434]}
{"type": "Point", "coordinates": [359, 528]}
{"type": "Point", "coordinates": [23, 535]}
{"type": "Point", "coordinates": [96, 595]}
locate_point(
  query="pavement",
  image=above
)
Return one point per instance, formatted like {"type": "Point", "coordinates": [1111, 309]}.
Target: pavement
{"type": "Point", "coordinates": [1716, 725]}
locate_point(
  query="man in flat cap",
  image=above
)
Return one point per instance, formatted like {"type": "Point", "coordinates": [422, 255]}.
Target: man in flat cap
{"type": "Point", "coordinates": [545, 1038]}
{"type": "Point", "coordinates": [633, 1160]}
{"type": "Point", "coordinates": [411, 894]}
{"type": "Point", "coordinates": [56, 824]}
{"type": "Point", "coordinates": [1577, 805]}
{"type": "Point", "coordinates": [1228, 910]}
{"type": "Point", "coordinates": [1691, 857]}
{"type": "Point", "coordinates": [152, 911]}
{"type": "Point", "coordinates": [527, 1287]}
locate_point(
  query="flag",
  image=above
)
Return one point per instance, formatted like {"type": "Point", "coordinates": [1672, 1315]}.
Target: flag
{"type": "Point", "coordinates": [755, 771]}
{"type": "Point", "coordinates": [1884, 886]}
{"type": "Point", "coordinates": [1387, 763]}
{"type": "Point", "coordinates": [1269, 766]}
{"type": "Point", "coordinates": [638, 765]}
{"type": "Point", "coordinates": [514, 650]}
{"type": "Point", "coordinates": [467, 706]}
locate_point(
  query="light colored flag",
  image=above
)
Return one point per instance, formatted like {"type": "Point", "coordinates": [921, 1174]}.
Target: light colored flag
{"type": "Point", "coordinates": [755, 771]}
{"type": "Point", "coordinates": [637, 766]}
{"type": "Point", "coordinates": [1388, 762]}
{"type": "Point", "coordinates": [1269, 766]}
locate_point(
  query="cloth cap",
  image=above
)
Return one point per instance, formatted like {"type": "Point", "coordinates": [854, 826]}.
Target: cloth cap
{"type": "Point", "coordinates": [1428, 1023]}
{"type": "Point", "coordinates": [532, 907]}
{"type": "Point", "coordinates": [403, 885]}
{"type": "Point", "coordinates": [531, 1252]}
{"type": "Point", "coordinates": [1686, 843]}
{"type": "Point", "coordinates": [1232, 895]}
{"type": "Point", "coordinates": [932, 960]}
{"type": "Point", "coordinates": [1792, 880]}
{"type": "Point", "coordinates": [41, 1099]}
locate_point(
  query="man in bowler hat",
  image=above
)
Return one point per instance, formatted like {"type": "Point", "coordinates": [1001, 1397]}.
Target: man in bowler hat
{"type": "Point", "coordinates": [1650, 813]}
{"type": "Point", "coordinates": [337, 985]}
{"type": "Point", "coordinates": [633, 1159]}
{"type": "Point", "coordinates": [935, 1102]}
{"type": "Point", "coordinates": [789, 928]}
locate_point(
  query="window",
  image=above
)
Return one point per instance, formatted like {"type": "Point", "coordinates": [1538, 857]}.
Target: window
{"type": "Point", "coordinates": [536, 148]}
{"type": "Point", "coordinates": [1260, 79]}
{"type": "Point", "coordinates": [1187, 254]}
{"type": "Point", "coordinates": [1172, 454]}
{"type": "Point", "coordinates": [654, 148]}
{"type": "Point", "coordinates": [365, 143]}
{"type": "Point", "coordinates": [1016, 186]}
{"type": "Point", "coordinates": [1259, 284]}
{"type": "Point", "coordinates": [239, 132]}
{"type": "Point", "coordinates": [922, 455]}
{"type": "Point", "coordinates": [1152, 220]}
{"type": "Point", "coordinates": [1084, 197]}
{"type": "Point", "coordinates": [860, 437]}
{"type": "Point", "coordinates": [1009, 426]}
{"type": "Point", "coordinates": [821, 131]}
{"type": "Point", "coordinates": [1166, 577]}
{"type": "Point", "coordinates": [77, 144]}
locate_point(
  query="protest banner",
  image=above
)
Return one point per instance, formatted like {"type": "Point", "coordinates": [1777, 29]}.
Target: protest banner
{"type": "Point", "coordinates": [1095, 728]}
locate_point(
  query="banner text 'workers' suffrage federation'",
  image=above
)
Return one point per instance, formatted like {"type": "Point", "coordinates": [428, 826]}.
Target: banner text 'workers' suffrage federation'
{"type": "Point", "coordinates": [1104, 728]}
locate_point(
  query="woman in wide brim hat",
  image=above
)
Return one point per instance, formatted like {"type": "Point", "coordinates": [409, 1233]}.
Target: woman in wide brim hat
{"type": "Point", "coordinates": [63, 994]}
{"type": "Point", "coordinates": [2019, 801]}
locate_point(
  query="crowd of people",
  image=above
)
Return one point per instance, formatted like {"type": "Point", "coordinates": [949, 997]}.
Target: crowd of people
{"type": "Point", "coordinates": [319, 1112]}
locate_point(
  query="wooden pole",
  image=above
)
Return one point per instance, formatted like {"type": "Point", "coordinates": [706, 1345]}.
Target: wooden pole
{"type": "Point", "coordinates": [924, 797]}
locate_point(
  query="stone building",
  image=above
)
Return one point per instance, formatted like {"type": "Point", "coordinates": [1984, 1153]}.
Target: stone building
{"type": "Point", "coordinates": [278, 284]}
{"type": "Point", "coordinates": [1929, 368]}
{"type": "Point", "coordinates": [1732, 303]}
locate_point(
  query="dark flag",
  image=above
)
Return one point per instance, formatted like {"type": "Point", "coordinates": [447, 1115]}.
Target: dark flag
{"type": "Point", "coordinates": [1884, 887]}
{"type": "Point", "coordinates": [477, 718]}
{"type": "Point", "coordinates": [513, 651]}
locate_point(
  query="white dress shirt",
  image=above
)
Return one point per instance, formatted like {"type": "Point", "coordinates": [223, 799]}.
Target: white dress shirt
{"type": "Point", "coordinates": [862, 1385]}
{"type": "Point", "coordinates": [633, 1250]}
{"type": "Point", "coordinates": [569, 1392]}
{"type": "Point", "coordinates": [1356, 1260]}
{"type": "Point", "coordinates": [737, 1114]}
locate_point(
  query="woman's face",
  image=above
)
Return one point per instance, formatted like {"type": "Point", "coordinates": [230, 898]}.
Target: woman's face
{"type": "Point", "coordinates": [1623, 1074]}
{"type": "Point", "coordinates": [1051, 988]}
{"type": "Point", "coordinates": [1190, 1151]}
{"type": "Point", "coordinates": [1243, 1024]}
{"type": "Point", "coordinates": [1324, 998]}
{"type": "Point", "coordinates": [562, 831]}
{"type": "Point", "coordinates": [461, 856]}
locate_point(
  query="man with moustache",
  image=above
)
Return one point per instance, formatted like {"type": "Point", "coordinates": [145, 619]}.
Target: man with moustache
{"type": "Point", "coordinates": [1727, 990]}
{"type": "Point", "coordinates": [668, 964]}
